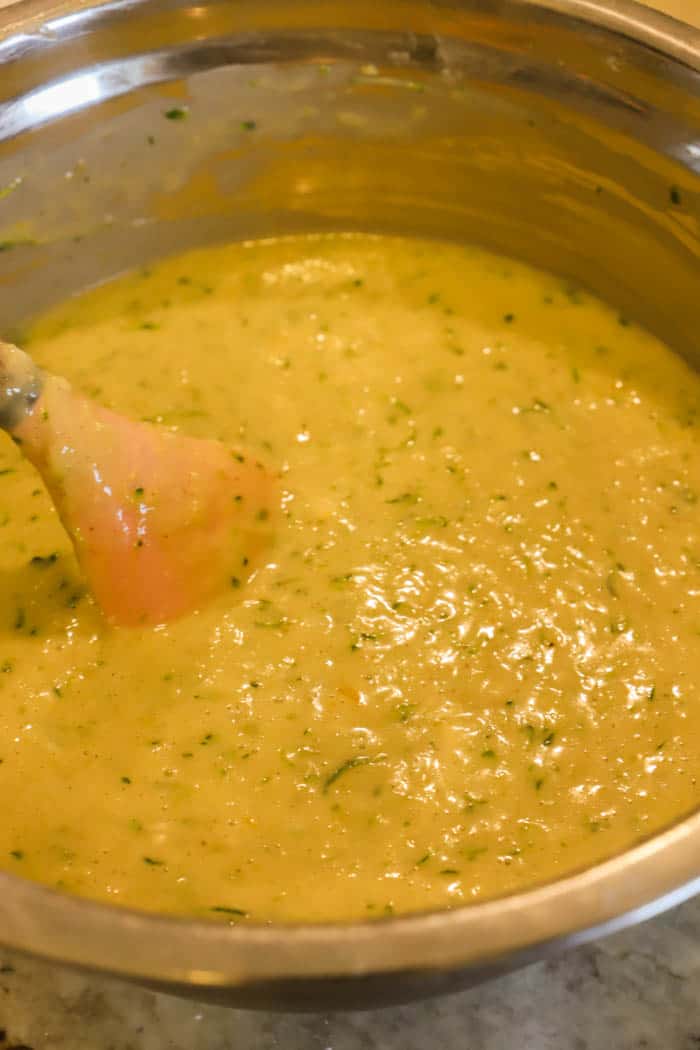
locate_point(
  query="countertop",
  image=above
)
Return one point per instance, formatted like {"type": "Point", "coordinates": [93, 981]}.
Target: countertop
{"type": "Point", "coordinates": [638, 990]}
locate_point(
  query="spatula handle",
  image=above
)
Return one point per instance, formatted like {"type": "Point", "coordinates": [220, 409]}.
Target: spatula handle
{"type": "Point", "coordinates": [21, 383]}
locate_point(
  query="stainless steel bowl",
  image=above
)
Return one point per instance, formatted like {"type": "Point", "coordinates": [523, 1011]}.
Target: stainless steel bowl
{"type": "Point", "coordinates": [566, 132]}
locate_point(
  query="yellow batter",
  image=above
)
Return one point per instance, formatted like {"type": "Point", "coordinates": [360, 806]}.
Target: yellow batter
{"type": "Point", "coordinates": [471, 661]}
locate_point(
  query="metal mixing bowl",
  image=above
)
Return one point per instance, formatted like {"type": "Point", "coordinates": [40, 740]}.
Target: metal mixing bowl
{"type": "Point", "coordinates": [566, 132]}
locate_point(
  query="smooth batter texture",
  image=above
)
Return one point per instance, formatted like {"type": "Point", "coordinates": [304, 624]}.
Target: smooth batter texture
{"type": "Point", "coordinates": [471, 660]}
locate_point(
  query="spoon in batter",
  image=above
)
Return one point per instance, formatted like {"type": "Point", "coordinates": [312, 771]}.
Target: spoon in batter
{"type": "Point", "coordinates": [160, 522]}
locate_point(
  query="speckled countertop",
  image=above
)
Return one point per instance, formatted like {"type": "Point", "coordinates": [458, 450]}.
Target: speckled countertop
{"type": "Point", "coordinates": [638, 990]}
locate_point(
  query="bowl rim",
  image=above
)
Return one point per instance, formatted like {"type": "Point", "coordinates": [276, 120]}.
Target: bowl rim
{"type": "Point", "coordinates": [633, 885]}
{"type": "Point", "coordinates": [661, 32]}
{"type": "Point", "coordinates": [630, 887]}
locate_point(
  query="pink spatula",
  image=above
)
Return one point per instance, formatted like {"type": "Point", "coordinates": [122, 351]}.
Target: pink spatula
{"type": "Point", "coordinates": [160, 522]}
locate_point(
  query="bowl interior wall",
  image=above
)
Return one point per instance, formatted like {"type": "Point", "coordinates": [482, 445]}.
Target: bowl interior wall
{"type": "Point", "coordinates": [139, 135]}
